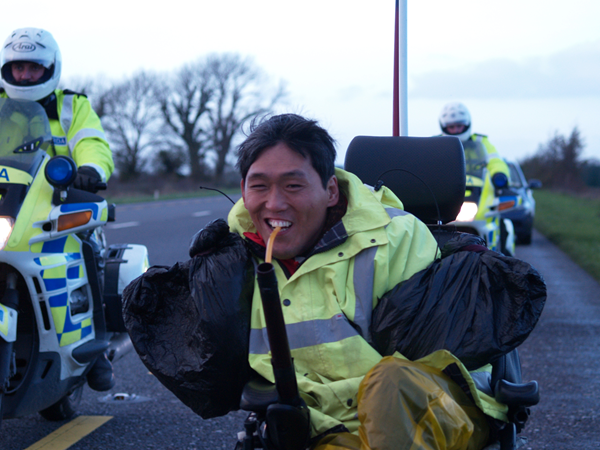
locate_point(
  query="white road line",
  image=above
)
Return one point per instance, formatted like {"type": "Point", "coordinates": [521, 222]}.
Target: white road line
{"type": "Point", "coordinates": [114, 226]}
{"type": "Point", "coordinates": [201, 213]}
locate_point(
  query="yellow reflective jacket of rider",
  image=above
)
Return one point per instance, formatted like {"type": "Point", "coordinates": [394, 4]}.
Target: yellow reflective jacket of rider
{"type": "Point", "coordinates": [495, 162]}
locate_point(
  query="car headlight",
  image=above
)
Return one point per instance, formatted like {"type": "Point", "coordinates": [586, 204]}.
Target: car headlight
{"type": "Point", "coordinates": [6, 227]}
{"type": "Point", "coordinates": [467, 213]}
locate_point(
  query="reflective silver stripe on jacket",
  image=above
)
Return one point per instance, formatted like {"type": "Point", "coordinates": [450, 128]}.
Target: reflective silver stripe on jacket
{"type": "Point", "coordinates": [338, 327]}
{"type": "Point", "coordinates": [66, 119]}
{"type": "Point", "coordinates": [66, 113]}
{"type": "Point", "coordinates": [85, 133]}
{"type": "Point", "coordinates": [394, 212]}
{"type": "Point", "coordinates": [305, 334]}
{"type": "Point", "coordinates": [364, 274]}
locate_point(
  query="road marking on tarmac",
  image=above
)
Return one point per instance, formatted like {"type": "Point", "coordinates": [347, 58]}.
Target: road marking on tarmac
{"type": "Point", "coordinates": [70, 433]}
{"type": "Point", "coordinates": [114, 226]}
{"type": "Point", "coordinates": [201, 213]}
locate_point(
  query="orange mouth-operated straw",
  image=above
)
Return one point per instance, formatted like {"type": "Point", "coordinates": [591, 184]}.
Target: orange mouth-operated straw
{"type": "Point", "coordinates": [270, 244]}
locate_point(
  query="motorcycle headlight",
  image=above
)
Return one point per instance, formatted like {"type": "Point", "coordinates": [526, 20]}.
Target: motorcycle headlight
{"type": "Point", "coordinates": [6, 227]}
{"type": "Point", "coordinates": [60, 171]}
{"type": "Point", "coordinates": [467, 213]}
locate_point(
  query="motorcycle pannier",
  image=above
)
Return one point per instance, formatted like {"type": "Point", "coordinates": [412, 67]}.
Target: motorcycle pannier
{"type": "Point", "coordinates": [123, 263]}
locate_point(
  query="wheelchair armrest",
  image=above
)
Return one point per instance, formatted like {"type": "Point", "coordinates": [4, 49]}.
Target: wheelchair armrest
{"type": "Point", "coordinates": [257, 395]}
{"type": "Point", "coordinates": [513, 394]}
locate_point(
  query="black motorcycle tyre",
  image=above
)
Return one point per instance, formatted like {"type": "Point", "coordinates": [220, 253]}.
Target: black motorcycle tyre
{"type": "Point", "coordinates": [65, 408]}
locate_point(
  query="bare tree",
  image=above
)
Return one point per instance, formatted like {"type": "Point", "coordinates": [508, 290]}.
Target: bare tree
{"type": "Point", "coordinates": [558, 162]}
{"type": "Point", "coordinates": [132, 119]}
{"type": "Point", "coordinates": [184, 102]}
{"type": "Point", "coordinates": [239, 93]}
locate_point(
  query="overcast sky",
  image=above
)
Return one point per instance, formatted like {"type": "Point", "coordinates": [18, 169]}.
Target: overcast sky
{"type": "Point", "coordinates": [525, 69]}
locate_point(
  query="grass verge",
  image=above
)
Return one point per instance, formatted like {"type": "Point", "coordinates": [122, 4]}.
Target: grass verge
{"type": "Point", "coordinates": [573, 224]}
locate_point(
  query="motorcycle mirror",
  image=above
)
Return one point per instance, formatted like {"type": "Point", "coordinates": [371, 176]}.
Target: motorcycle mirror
{"type": "Point", "coordinates": [60, 171]}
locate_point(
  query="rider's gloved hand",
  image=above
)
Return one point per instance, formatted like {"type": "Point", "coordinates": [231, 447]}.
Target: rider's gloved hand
{"type": "Point", "coordinates": [87, 179]}
{"type": "Point", "coordinates": [209, 238]}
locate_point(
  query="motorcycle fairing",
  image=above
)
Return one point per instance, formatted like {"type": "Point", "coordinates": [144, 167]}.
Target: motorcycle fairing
{"type": "Point", "coordinates": [512, 200]}
{"type": "Point", "coordinates": [14, 176]}
{"type": "Point", "coordinates": [48, 228]}
{"type": "Point", "coordinates": [67, 331]}
{"type": "Point", "coordinates": [473, 181]}
{"type": "Point", "coordinates": [63, 271]}
{"type": "Point", "coordinates": [34, 211]}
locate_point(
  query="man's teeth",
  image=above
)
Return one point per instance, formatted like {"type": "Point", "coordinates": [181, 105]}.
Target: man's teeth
{"type": "Point", "coordinates": [280, 223]}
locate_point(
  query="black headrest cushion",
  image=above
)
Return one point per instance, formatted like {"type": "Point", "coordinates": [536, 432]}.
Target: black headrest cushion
{"type": "Point", "coordinates": [419, 170]}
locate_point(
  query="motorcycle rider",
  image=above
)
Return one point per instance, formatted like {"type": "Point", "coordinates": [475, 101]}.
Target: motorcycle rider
{"type": "Point", "coordinates": [341, 248]}
{"type": "Point", "coordinates": [30, 67]}
{"type": "Point", "coordinates": [455, 120]}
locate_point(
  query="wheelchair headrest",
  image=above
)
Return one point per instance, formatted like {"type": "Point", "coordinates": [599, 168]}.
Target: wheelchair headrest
{"type": "Point", "coordinates": [419, 170]}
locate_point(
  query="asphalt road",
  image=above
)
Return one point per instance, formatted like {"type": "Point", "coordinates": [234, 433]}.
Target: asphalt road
{"type": "Point", "coordinates": [562, 354]}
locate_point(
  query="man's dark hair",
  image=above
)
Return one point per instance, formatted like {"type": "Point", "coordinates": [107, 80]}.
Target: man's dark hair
{"type": "Point", "coordinates": [301, 135]}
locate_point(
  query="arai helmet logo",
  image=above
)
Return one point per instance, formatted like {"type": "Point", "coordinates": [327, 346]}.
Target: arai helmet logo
{"type": "Point", "coordinates": [24, 47]}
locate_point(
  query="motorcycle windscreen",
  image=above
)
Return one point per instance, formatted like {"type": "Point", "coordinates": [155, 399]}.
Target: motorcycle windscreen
{"type": "Point", "coordinates": [24, 131]}
{"type": "Point", "coordinates": [475, 158]}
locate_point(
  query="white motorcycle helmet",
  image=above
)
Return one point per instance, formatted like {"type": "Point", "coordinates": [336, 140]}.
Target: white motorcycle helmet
{"type": "Point", "coordinates": [30, 45]}
{"type": "Point", "coordinates": [456, 114]}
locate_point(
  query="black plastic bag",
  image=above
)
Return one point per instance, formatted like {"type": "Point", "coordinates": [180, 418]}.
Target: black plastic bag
{"type": "Point", "coordinates": [190, 325]}
{"type": "Point", "coordinates": [479, 305]}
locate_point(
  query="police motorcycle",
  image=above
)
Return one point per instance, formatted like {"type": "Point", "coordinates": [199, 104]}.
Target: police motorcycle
{"type": "Point", "coordinates": [428, 175]}
{"type": "Point", "coordinates": [60, 286]}
{"type": "Point", "coordinates": [486, 198]}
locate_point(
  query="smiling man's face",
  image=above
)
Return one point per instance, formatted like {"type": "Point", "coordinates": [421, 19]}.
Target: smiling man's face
{"type": "Point", "coordinates": [282, 188]}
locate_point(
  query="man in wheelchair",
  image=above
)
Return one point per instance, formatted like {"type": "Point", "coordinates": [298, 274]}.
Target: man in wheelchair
{"type": "Point", "coordinates": [342, 246]}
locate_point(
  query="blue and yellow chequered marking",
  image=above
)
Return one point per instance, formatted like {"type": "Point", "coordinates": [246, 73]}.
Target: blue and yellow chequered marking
{"type": "Point", "coordinates": [75, 272]}
{"type": "Point", "coordinates": [67, 331]}
{"type": "Point", "coordinates": [3, 320]}
{"type": "Point", "coordinates": [58, 253]}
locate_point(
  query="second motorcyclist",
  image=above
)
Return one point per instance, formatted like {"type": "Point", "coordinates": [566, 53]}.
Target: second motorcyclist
{"type": "Point", "coordinates": [30, 66]}
{"type": "Point", "coordinates": [455, 120]}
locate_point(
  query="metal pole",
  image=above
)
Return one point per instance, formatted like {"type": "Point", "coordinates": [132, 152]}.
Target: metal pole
{"type": "Point", "coordinates": [396, 106]}
{"type": "Point", "coordinates": [400, 120]}
{"type": "Point", "coordinates": [403, 70]}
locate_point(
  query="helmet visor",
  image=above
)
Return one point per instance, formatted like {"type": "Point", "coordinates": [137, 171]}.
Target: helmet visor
{"type": "Point", "coordinates": [9, 69]}
{"type": "Point", "coordinates": [455, 128]}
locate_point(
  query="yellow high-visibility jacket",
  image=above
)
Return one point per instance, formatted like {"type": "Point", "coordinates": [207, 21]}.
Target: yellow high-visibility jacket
{"type": "Point", "coordinates": [77, 131]}
{"type": "Point", "coordinates": [495, 162]}
{"type": "Point", "coordinates": [328, 301]}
